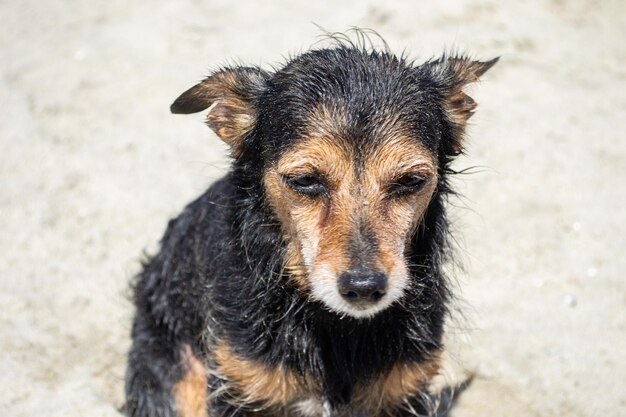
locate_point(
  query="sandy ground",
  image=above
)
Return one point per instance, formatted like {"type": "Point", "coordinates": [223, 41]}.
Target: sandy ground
{"type": "Point", "coordinates": [93, 165]}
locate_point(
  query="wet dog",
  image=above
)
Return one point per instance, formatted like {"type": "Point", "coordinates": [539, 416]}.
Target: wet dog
{"type": "Point", "coordinates": [308, 281]}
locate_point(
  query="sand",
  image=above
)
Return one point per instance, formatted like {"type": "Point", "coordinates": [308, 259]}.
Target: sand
{"type": "Point", "coordinates": [92, 165]}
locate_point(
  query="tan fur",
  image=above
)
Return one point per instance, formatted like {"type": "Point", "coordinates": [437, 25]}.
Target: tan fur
{"type": "Point", "coordinates": [230, 119]}
{"type": "Point", "coordinates": [391, 220]}
{"type": "Point", "coordinates": [257, 383]}
{"type": "Point", "coordinates": [301, 216]}
{"type": "Point", "coordinates": [280, 389]}
{"type": "Point", "coordinates": [231, 114]}
{"type": "Point", "coordinates": [190, 392]}
{"type": "Point", "coordinates": [227, 95]}
{"type": "Point", "coordinates": [295, 268]}
{"type": "Point", "coordinates": [403, 381]}
{"type": "Point", "coordinates": [356, 198]}
{"type": "Point", "coordinates": [458, 105]}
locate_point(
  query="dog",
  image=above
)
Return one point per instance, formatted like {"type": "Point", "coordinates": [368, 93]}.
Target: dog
{"type": "Point", "coordinates": [308, 281]}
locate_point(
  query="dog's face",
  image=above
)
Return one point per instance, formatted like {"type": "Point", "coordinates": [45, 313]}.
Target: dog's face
{"type": "Point", "coordinates": [349, 213]}
{"type": "Point", "coordinates": [352, 144]}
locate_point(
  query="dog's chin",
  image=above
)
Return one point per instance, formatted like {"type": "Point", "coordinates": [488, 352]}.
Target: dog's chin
{"type": "Point", "coordinates": [324, 289]}
{"type": "Point", "coordinates": [356, 311]}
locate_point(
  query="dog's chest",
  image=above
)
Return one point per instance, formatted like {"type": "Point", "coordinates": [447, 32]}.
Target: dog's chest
{"type": "Point", "coordinates": [311, 407]}
{"type": "Point", "coordinates": [378, 396]}
{"type": "Point", "coordinates": [315, 407]}
{"type": "Point", "coordinates": [290, 393]}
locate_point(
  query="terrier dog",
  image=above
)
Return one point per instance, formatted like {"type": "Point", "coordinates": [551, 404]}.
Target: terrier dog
{"type": "Point", "coordinates": [308, 281]}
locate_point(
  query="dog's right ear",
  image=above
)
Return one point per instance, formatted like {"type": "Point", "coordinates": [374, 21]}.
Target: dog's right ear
{"type": "Point", "coordinates": [453, 74]}
{"type": "Point", "coordinates": [230, 95]}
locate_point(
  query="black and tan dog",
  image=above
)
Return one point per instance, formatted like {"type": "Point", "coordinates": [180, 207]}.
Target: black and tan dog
{"type": "Point", "coordinates": [308, 281]}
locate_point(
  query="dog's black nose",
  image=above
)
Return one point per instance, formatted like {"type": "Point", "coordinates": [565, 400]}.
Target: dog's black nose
{"type": "Point", "coordinates": [362, 286]}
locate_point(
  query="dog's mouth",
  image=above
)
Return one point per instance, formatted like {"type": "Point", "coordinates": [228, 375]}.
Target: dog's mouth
{"type": "Point", "coordinates": [359, 293]}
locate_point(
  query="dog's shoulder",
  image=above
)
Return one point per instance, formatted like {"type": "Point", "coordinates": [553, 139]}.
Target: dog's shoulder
{"type": "Point", "coordinates": [172, 285]}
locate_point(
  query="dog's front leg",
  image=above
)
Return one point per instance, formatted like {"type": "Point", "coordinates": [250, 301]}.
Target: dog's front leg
{"type": "Point", "coordinates": [427, 404]}
{"type": "Point", "coordinates": [164, 378]}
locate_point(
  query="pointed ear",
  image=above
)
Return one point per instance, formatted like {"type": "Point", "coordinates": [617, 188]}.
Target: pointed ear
{"type": "Point", "coordinates": [453, 74]}
{"type": "Point", "coordinates": [230, 95]}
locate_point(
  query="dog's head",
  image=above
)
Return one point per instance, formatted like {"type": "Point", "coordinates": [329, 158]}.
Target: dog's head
{"type": "Point", "coordinates": [352, 144]}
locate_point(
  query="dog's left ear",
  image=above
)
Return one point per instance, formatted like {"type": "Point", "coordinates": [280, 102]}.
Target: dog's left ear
{"type": "Point", "coordinates": [230, 95]}
{"type": "Point", "coordinates": [452, 74]}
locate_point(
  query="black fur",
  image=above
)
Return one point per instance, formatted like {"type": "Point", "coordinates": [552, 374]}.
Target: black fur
{"type": "Point", "coordinates": [219, 274]}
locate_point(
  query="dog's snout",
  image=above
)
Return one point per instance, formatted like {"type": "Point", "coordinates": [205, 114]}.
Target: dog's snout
{"type": "Point", "coordinates": [362, 286]}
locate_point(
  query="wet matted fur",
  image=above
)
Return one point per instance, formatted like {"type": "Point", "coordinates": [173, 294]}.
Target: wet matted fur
{"type": "Point", "coordinates": [340, 172]}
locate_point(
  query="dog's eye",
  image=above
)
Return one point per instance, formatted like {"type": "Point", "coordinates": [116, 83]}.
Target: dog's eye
{"type": "Point", "coordinates": [307, 184]}
{"type": "Point", "coordinates": [408, 184]}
